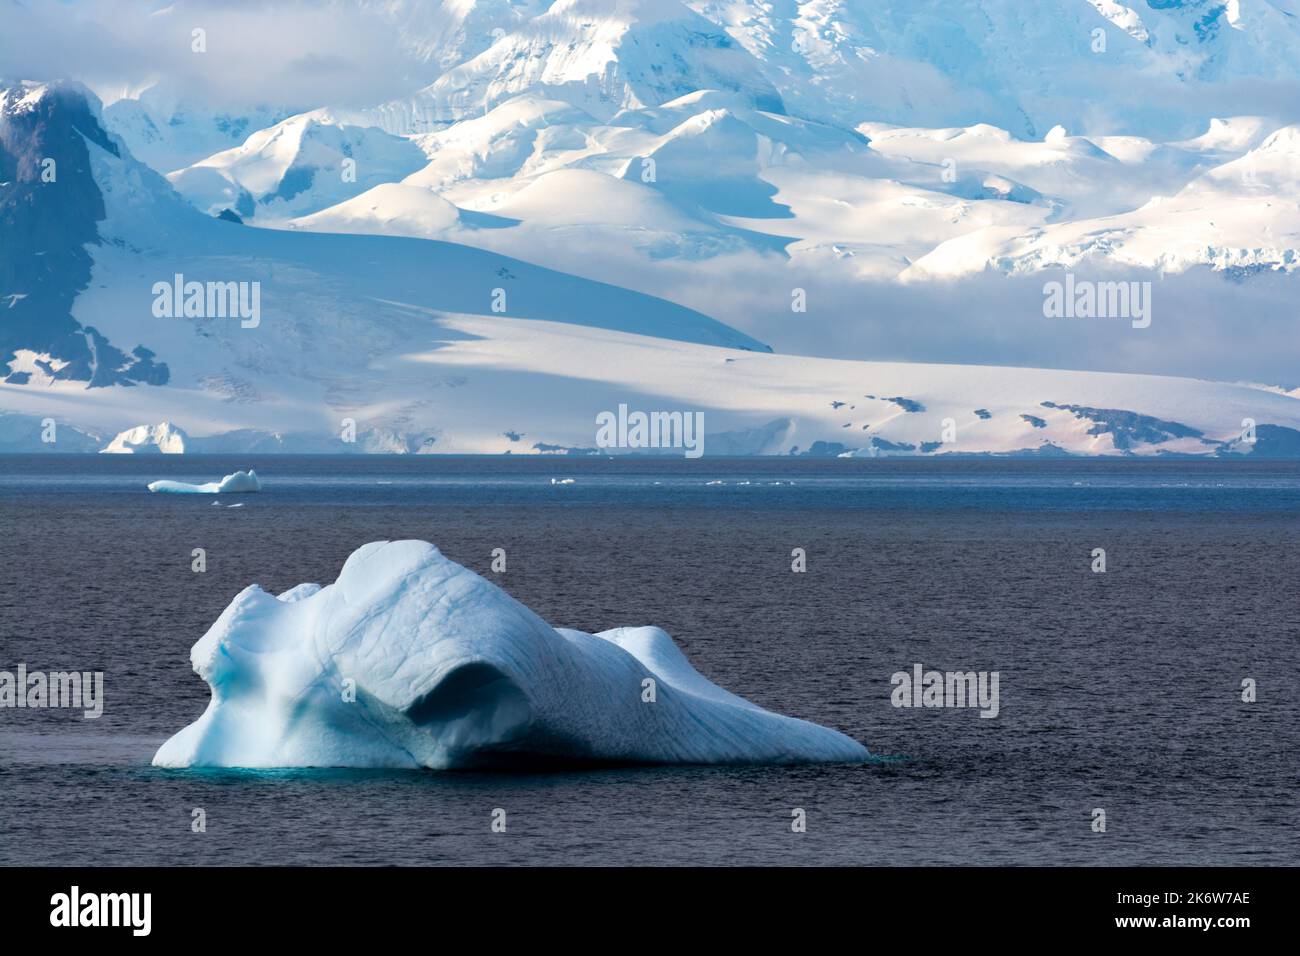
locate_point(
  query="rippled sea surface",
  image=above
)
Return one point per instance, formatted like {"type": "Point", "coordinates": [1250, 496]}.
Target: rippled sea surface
{"type": "Point", "coordinates": [1120, 691]}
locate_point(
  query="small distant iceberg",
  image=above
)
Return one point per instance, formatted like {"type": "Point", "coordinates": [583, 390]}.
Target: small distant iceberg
{"type": "Point", "coordinates": [240, 481]}
{"type": "Point", "coordinates": [409, 660]}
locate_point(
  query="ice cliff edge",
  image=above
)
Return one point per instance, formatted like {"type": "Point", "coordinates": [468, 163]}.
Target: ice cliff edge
{"type": "Point", "coordinates": [410, 660]}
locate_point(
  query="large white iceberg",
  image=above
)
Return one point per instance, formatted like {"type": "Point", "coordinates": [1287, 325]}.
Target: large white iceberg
{"type": "Point", "coordinates": [240, 481]}
{"type": "Point", "coordinates": [410, 660]}
{"type": "Point", "coordinates": [163, 438]}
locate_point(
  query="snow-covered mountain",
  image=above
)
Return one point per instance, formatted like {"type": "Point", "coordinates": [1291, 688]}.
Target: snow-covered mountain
{"type": "Point", "coordinates": [541, 231]}
{"type": "Point", "coordinates": [50, 207]}
{"type": "Point", "coordinates": [298, 166]}
{"type": "Point", "coordinates": [804, 133]}
{"type": "Point", "coordinates": [599, 55]}
{"type": "Point", "coordinates": [1240, 217]}
{"type": "Point", "coordinates": [326, 308]}
{"type": "Point", "coordinates": [1025, 67]}
{"type": "Point", "coordinates": [1142, 66]}
{"type": "Point", "coordinates": [165, 131]}
{"type": "Point", "coordinates": [715, 174]}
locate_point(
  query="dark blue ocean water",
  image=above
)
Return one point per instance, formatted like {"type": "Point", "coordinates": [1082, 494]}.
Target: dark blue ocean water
{"type": "Point", "coordinates": [1119, 691]}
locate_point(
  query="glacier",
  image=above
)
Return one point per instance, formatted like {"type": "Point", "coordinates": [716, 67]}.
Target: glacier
{"type": "Point", "coordinates": [410, 660]}
{"type": "Point", "coordinates": [239, 481]}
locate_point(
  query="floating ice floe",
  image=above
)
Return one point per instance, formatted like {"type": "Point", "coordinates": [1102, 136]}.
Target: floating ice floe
{"type": "Point", "coordinates": [410, 660]}
{"type": "Point", "coordinates": [231, 484]}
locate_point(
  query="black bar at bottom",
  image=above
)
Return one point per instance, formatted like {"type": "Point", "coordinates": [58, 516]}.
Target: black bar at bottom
{"type": "Point", "coordinates": [337, 905]}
